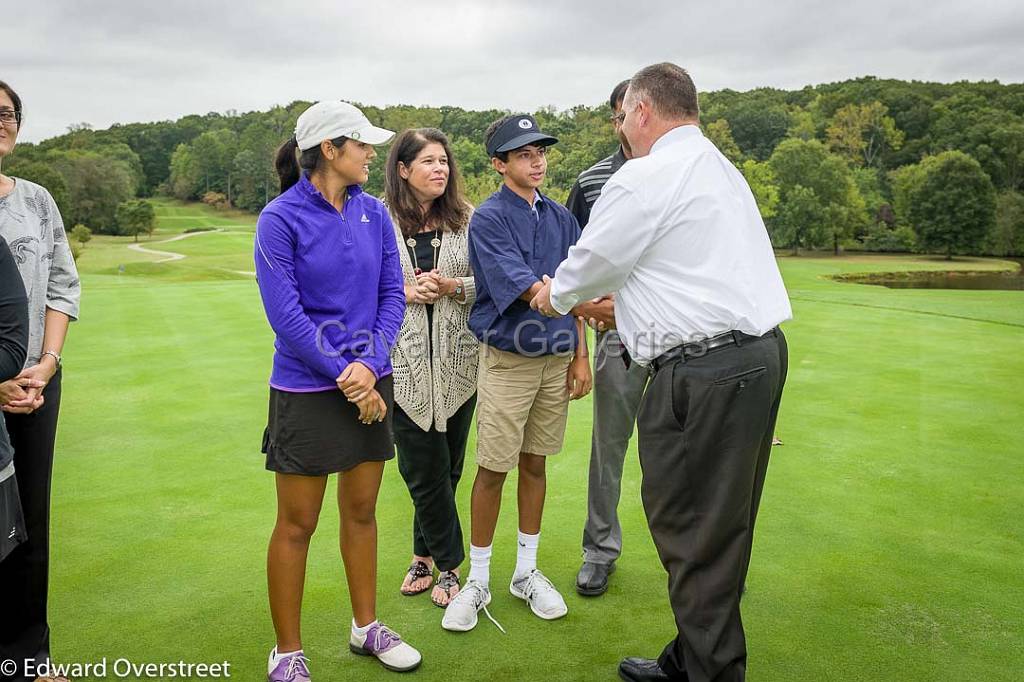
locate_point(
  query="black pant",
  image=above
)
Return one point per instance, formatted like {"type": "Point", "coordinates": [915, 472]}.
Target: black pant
{"type": "Point", "coordinates": [24, 574]}
{"type": "Point", "coordinates": [431, 464]}
{"type": "Point", "coordinates": [705, 433]}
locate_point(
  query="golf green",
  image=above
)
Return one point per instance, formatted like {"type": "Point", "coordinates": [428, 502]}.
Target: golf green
{"type": "Point", "coordinates": [886, 546]}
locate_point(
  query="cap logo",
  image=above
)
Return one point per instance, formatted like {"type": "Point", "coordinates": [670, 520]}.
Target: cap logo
{"type": "Point", "coordinates": [354, 135]}
{"type": "Point", "coordinates": [525, 123]}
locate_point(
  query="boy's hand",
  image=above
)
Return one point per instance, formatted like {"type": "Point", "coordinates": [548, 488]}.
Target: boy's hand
{"type": "Point", "coordinates": [578, 379]}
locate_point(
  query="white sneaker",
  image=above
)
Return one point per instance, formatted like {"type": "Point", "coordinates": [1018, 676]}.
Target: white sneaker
{"type": "Point", "coordinates": [537, 591]}
{"type": "Point", "coordinates": [384, 643]}
{"type": "Point", "coordinates": [461, 613]}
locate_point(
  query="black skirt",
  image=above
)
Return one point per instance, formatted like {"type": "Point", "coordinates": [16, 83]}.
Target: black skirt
{"type": "Point", "coordinates": [12, 519]}
{"type": "Point", "coordinates": [316, 434]}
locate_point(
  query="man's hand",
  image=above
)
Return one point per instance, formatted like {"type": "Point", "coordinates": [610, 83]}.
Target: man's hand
{"type": "Point", "coordinates": [356, 382]}
{"type": "Point", "coordinates": [578, 379]}
{"type": "Point", "coordinates": [541, 301]}
{"type": "Point", "coordinates": [598, 314]}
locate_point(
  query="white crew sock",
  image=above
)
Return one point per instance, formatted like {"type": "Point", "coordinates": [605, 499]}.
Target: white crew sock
{"type": "Point", "coordinates": [526, 555]}
{"type": "Point", "coordinates": [480, 564]}
{"type": "Point", "coordinates": [276, 658]}
{"type": "Point", "coordinates": [361, 631]}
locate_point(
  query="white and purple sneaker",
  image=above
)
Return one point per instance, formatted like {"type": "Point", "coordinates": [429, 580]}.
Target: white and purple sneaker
{"type": "Point", "coordinates": [384, 643]}
{"type": "Point", "coordinates": [291, 668]}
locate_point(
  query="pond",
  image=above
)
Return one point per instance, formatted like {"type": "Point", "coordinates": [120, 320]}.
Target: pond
{"type": "Point", "coordinates": [953, 279]}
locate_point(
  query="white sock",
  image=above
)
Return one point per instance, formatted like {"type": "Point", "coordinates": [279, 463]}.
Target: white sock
{"type": "Point", "coordinates": [276, 658]}
{"type": "Point", "coordinates": [361, 631]}
{"type": "Point", "coordinates": [526, 554]}
{"type": "Point", "coordinates": [480, 564]}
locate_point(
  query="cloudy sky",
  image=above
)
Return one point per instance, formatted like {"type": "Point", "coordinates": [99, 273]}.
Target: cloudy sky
{"type": "Point", "coordinates": [106, 61]}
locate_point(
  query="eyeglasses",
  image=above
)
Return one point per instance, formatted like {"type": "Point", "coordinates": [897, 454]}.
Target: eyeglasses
{"type": "Point", "coordinates": [10, 117]}
{"type": "Point", "coordinates": [618, 118]}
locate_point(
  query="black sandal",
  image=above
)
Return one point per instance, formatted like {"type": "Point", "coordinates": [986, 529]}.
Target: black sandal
{"type": "Point", "coordinates": [446, 580]}
{"type": "Point", "coordinates": [418, 570]}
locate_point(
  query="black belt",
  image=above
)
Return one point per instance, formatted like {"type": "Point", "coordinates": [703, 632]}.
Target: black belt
{"type": "Point", "coordinates": [699, 349]}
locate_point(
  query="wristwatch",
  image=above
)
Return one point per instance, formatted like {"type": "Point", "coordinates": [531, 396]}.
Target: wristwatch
{"type": "Point", "coordinates": [458, 290]}
{"type": "Point", "coordinates": [55, 355]}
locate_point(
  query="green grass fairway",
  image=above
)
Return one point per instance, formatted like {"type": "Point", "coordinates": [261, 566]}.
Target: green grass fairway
{"type": "Point", "coordinates": [887, 545]}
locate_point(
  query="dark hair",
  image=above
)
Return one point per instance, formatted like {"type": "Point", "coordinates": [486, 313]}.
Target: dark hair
{"type": "Point", "coordinates": [489, 133]}
{"type": "Point", "coordinates": [618, 93]}
{"type": "Point", "coordinates": [668, 89]}
{"type": "Point", "coordinates": [449, 211]}
{"type": "Point", "coordinates": [289, 168]}
{"type": "Point", "coordinates": [14, 98]}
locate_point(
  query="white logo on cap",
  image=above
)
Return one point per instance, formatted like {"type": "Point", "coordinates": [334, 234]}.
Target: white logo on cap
{"type": "Point", "coordinates": [354, 136]}
{"type": "Point", "coordinates": [525, 123]}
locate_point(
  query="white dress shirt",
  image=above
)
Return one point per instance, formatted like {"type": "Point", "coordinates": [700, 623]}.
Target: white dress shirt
{"type": "Point", "coordinates": [677, 236]}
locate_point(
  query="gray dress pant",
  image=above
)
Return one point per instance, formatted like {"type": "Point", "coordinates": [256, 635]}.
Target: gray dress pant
{"type": "Point", "coordinates": [617, 395]}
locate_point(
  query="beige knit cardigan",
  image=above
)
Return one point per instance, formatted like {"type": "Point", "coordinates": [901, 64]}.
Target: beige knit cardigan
{"type": "Point", "coordinates": [431, 390]}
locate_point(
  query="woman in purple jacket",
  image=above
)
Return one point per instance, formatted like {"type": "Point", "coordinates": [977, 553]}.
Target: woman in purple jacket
{"type": "Point", "coordinates": [328, 272]}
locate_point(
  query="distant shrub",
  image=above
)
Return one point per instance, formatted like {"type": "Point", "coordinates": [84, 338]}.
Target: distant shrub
{"type": "Point", "coordinates": [81, 234]}
{"type": "Point", "coordinates": [216, 200]}
{"type": "Point", "coordinates": [880, 237]}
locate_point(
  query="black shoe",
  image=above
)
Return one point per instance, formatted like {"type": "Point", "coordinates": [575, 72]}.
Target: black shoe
{"type": "Point", "coordinates": [641, 670]}
{"type": "Point", "coordinates": [592, 580]}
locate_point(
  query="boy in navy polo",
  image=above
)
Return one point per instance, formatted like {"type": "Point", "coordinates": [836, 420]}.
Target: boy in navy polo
{"type": "Point", "coordinates": [530, 366]}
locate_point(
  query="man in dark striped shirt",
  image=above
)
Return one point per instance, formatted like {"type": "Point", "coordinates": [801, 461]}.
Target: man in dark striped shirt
{"type": "Point", "coordinates": [617, 392]}
{"type": "Point", "coordinates": [587, 188]}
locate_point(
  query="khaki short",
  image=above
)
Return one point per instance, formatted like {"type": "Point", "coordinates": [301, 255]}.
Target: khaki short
{"type": "Point", "coordinates": [522, 405]}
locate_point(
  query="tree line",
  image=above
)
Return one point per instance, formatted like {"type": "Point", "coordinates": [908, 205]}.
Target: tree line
{"type": "Point", "coordinates": [881, 165]}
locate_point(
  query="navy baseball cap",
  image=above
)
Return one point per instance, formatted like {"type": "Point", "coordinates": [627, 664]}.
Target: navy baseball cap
{"type": "Point", "coordinates": [517, 132]}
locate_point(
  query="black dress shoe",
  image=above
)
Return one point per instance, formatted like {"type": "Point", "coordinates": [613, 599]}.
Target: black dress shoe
{"type": "Point", "coordinates": [592, 580]}
{"type": "Point", "coordinates": [641, 670]}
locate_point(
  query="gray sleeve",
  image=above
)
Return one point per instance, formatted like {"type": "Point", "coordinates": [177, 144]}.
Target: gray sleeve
{"type": "Point", "coordinates": [64, 289]}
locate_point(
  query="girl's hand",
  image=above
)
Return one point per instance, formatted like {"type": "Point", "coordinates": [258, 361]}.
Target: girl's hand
{"type": "Point", "coordinates": [357, 381]}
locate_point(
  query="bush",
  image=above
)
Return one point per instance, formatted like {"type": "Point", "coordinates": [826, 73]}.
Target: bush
{"type": "Point", "coordinates": [880, 237]}
{"type": "Point", "coordinates": [81, 234]}
{"type": "Point", "coordinates": [216, 200]}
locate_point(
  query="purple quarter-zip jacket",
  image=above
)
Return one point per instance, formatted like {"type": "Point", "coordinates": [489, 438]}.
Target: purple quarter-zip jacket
{"type": "Point", "coordinates": [331, 285]}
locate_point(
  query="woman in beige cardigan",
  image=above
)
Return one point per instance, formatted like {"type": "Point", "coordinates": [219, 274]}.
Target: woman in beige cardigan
{"type": "Point", "coordinates": [435, 357]}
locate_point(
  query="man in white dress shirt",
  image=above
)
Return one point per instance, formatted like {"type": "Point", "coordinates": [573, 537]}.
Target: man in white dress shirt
{"type": "Point", "coordinates": [677, 235]}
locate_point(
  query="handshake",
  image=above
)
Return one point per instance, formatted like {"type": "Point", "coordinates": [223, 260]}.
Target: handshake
{"type": "Point", "coordinates": [598, 314]}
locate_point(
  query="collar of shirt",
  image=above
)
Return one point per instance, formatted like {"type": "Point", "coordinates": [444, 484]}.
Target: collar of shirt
{"type": "Point", "coordinates": [309, 188]}
{"type": "Point", "coordinates": [677, 134]}
{"type": "Point", "coordinates": [514, 199]}
{"type": "Point", "coordinates": [618, 159]}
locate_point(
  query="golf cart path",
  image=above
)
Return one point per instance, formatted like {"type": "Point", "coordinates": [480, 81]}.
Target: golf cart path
{"type": "Point", "coordinates": [169, 256]}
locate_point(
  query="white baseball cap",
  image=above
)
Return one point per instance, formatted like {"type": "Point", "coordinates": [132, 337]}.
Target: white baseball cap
{"type": "Point", "coordinates": [330, 120]}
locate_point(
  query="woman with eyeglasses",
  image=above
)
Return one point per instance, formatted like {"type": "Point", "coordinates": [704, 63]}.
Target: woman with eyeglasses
{"type": "Point", "coordinates": [436, 355]}
{"type": "Point", "coordinates": [32, 227]}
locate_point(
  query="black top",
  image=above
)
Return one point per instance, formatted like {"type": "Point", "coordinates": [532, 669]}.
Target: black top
{"type": "Point", "coordinates": [424, 260]}
{"type": "Point", "coordinates": [13, 316]}
{"type": "Point", "coordinates": [424, 251]}
{"type": "Point", "coordinates": [13, 332]}
{"type": "Point", "coordinates": [588, 186]}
